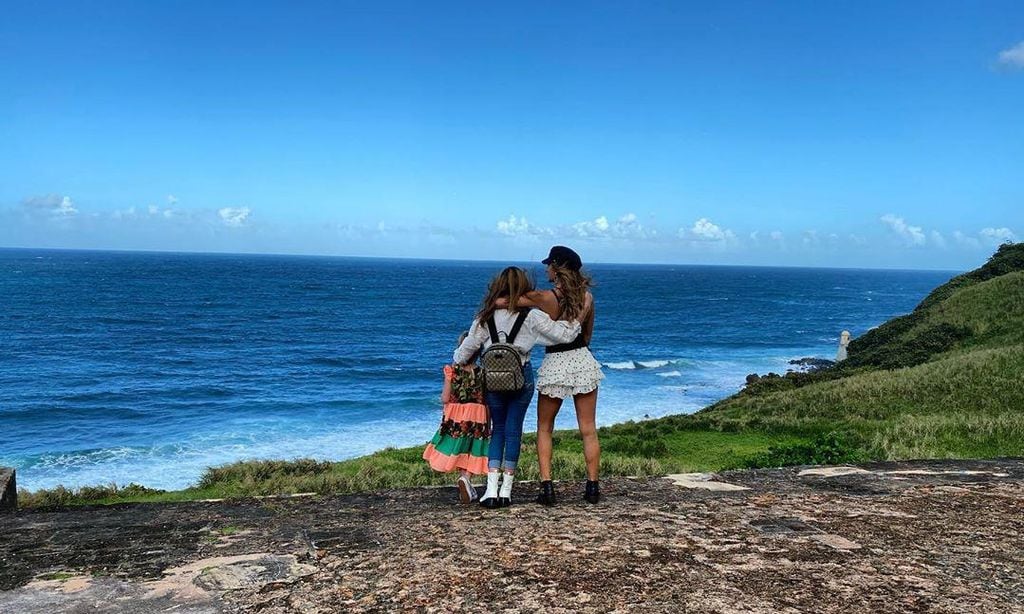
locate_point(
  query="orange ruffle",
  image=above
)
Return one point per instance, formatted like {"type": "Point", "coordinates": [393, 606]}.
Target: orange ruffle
{"type": "Point", "coordinates": [443, 463]}
{"type": "Point", "coordinates": [466, 412]}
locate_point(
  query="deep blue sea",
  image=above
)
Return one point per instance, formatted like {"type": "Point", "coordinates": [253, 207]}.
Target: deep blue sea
{"type": "Point", "coordinates": [148, 368]}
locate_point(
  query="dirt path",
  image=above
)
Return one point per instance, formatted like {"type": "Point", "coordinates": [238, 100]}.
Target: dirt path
{"type": "Point", "coordinates": [906, 537]}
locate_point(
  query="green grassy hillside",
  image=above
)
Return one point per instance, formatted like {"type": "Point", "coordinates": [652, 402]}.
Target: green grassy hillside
{"type": "Point", "coordinates": [946, 380]}
{"type": "Point", "coordinates": [983, 308]}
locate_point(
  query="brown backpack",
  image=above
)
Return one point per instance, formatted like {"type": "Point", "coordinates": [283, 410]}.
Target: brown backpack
{"type": "Point", "coordinates": [501, 363]}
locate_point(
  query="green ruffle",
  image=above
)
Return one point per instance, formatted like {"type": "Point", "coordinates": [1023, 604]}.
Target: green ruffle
{"type": "Point", "coordinates": [452, 446]}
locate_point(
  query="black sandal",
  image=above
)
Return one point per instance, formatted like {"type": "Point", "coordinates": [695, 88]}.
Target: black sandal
{"type": "Point", "coordinates": [592, 494]}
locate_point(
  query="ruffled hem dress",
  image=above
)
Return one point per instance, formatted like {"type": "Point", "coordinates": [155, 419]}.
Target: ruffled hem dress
{"type": "Point", "coordinates": [461, 441]}
{"type": "Point", "coordinates": [564, 374]}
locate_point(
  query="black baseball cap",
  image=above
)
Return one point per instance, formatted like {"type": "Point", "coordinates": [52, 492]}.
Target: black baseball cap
{"type": "Point", "coordinates": [561, 255]}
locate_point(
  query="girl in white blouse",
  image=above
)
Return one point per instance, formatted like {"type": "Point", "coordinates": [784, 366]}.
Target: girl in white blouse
{"type": "Point", "coordinates": [508, 409]}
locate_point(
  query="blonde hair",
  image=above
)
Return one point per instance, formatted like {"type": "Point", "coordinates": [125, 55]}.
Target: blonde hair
{"type": "Point", "coordinates": [574, 286]}
{"type": "Point", "coordinates": [512, 283]}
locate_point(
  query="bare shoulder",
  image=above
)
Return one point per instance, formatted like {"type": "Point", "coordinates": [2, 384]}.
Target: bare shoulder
{"type": "Point", "coordinates": [545, 300]}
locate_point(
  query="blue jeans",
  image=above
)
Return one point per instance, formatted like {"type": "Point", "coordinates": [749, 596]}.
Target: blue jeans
{"type": "Point", "coordinates": [508, 410]}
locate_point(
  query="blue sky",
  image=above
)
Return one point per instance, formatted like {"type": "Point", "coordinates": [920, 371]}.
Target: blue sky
{"type": "Point", "coordinates": [874, 134]}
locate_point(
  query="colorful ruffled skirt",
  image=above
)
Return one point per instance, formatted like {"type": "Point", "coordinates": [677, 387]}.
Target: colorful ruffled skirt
{"type": "Point", "coordinates": [460, 444]}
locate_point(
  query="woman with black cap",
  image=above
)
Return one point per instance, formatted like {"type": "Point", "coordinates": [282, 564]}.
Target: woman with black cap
{"type": "Point", "coordinates": [568, 369]}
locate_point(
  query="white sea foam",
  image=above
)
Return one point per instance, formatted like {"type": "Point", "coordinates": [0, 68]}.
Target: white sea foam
{"type": "Point", "coordinates": [629, 365]}
{"type": "Point", "coordinates": [670, 374]}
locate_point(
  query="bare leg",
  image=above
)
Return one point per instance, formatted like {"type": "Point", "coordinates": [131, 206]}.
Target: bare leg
{"type": "Point", "coordinates": [586, 418]}
{"type": "Point", "coordinates": [547, 409]}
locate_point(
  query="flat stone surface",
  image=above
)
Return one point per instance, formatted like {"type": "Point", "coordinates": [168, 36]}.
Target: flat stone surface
{"type": "Point", "coordinates": [702, 481]}
{"type": "Point", "coordinates": [8, 490]}
{"type": "Point", "coordinates": [946, 537]}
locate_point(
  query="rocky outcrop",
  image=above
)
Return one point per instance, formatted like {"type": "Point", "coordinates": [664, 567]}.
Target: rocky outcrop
{"type": "Point", "coordinates": [8, 490]}
{"type": "Point", "coordinates": [934, 536]}
{"type": "Point", "coordinates": [812, 364]}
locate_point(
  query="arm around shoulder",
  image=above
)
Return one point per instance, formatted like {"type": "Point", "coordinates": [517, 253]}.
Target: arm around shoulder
{"type": "Point", "coordinates": [551, 332]}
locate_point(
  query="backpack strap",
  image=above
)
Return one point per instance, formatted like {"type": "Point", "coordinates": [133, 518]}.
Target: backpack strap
{"type": "Point", "coordinates": [520, 319]}
{"type": "Point", "coordinates": [492, 329]}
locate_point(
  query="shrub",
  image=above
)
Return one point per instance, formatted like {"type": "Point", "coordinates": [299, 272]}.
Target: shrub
{"type": "Point", "coordinates": [829, 449]}
{"type": "Point", "coordinates": [63, 497]}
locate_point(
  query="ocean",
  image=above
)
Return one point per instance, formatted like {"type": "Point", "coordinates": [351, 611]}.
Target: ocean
{"type": "Point", "coordinates": [149, 367]}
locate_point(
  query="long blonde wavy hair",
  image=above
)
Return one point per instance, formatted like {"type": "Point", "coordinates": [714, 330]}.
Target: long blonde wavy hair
{"type": "Point", "coordinates": [512, 283]}
{"type": "Point", "coordinates": [574, 286]}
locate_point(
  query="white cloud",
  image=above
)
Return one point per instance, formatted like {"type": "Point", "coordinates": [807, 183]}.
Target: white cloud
{"type": "Point", "coordinates": [997, 236]}
{"type": "Point", "coordinates": [56, 205]}
{"type": "Point", "coordinates": [234, 216]}
{"type": "Point", "coordinates": [810, 237]}
{"type": "Point", "coordinates": [172, 199]}
{"type": "Point", "coordinates": [66, 207]}
{"type": "Point", "coordinates": [627, 227]}
{"type": "Point", "coordinates": [911, 235]}
{"type": "Point", "coordinates": [937, 239]}
{"type": "Point", "coordinates": [1012, 57]}
{"type": "Point", "coordinates": [596, 228]}
{"type": "Point", "coordinates": [514, 226]}
{"type": "Point", "coordinates": [153, 209]}
{"type": "Point", "coordinates": [707, 231]}
{"type": "Point", "coordinates": [776, 235]}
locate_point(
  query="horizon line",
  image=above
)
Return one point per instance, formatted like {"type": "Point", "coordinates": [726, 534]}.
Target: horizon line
{"type": "Point", "coordinates": [468, 260]}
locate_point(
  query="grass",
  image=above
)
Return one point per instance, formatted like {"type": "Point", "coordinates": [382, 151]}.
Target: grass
{"type": "Point", "coordinates": [59, 576]}
{"type": "Point", "coordinates": [626, 452]}
{"type": "Point", "coordinates": [944, 381]}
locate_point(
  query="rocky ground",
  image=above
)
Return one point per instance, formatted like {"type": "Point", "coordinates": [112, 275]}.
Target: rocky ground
{"type": "Point", "coordinates": [900, 537]}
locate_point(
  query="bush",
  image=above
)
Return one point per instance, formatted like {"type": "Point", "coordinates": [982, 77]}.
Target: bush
{"type": "Point", "coordinates": [828, 449]}
{"type": "Point", "coordinates": [63, 497]}
{"type": "Point", "coordinates": [263, 471]}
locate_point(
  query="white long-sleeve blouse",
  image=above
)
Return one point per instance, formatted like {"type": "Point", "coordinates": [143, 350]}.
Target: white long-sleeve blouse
{"type": "Point", "coordinates": [538, 329]}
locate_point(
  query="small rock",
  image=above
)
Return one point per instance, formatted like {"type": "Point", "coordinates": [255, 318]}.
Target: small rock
{"type": "Point", "coordinates": [835, 541]}
{"type": "Point", "coordinates": [702, 481]}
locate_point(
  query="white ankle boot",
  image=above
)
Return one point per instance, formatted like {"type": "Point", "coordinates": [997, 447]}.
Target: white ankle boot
{"type": "Point", "coordinates": [505, 494]}
{"type": "Point", "coordinates": [490, 498]}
